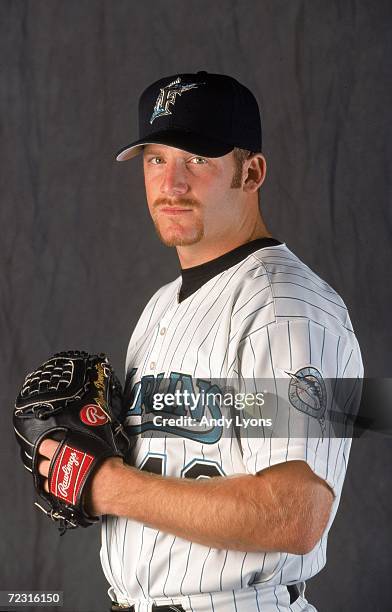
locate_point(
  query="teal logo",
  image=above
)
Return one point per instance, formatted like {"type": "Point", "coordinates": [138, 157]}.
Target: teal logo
{"type": "Point", "coordinates": [193, 414]}
{"type": "Point", "coordinates": [167, 96]}
{"type": "Point", "coordinates": [307, 392]}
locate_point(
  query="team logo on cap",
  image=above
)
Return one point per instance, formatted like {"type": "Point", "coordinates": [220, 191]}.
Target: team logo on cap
{"type": "Point", "coordinates": [167, 95]}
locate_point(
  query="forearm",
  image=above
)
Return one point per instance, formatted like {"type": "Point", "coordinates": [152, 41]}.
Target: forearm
{"type": "Point", "coordinates": [217, 512]}
{"type": "Point", "coordinates": [246, 512]}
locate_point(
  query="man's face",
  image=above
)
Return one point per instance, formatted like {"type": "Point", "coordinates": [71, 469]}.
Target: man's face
{"type": "Point", "coordinates": [190, 197]}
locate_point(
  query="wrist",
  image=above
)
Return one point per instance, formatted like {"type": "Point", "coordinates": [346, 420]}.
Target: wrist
{"type": "Point", "coordinates": [100, 496]}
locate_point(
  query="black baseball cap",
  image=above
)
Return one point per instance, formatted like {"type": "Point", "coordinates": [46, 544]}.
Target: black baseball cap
{"type": "Point", "coordinates": [205, 114]}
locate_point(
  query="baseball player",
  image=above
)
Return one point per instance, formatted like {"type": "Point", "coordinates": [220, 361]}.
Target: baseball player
{"type": "Point", "coordinates": [223, 506]}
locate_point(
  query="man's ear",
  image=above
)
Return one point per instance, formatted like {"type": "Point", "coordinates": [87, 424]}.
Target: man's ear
{"type": "Point", "coordinates": [255, 170]}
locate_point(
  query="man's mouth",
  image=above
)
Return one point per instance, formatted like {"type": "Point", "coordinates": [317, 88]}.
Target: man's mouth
{"type": "Point", "coordinates": [174, 210]}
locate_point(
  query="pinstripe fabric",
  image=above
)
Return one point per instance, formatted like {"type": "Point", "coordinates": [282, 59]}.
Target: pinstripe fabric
{"type": "Point", "coordinates": [259, 319]}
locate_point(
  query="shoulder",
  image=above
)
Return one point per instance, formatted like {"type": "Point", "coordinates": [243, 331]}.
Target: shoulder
{"type": "Point", "coordinates": [275, 280]}
{"type": "Point", "coordinates": [165, 295]}
{"type": "Point", "coordinates": [284, 307]}
{"type": "Point", "coordinates": [159, 302]}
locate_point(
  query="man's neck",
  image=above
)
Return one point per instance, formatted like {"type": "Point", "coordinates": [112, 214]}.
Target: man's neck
{"type": "Point", "coordinates": [200, 253]}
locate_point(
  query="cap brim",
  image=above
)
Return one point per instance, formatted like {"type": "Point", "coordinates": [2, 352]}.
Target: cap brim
{"type": "Point", "coordinates": [187, 141]}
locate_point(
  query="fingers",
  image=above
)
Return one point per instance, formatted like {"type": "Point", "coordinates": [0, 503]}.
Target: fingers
{"type": "Point", "coordinates": [43, 467]}
{"type": "Point", "coordinates": [47, 448]}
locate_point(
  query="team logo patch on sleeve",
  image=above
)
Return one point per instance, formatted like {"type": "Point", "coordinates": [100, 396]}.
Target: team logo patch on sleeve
{"type": "Point", "coordinates": [307, 392]}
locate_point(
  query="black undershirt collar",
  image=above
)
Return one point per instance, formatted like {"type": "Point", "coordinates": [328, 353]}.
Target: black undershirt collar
{"type": "Point", "coordinates": [193, 278]}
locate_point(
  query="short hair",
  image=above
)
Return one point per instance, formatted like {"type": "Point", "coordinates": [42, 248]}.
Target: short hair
{"type": "Point", "coordinates": [240, 155]}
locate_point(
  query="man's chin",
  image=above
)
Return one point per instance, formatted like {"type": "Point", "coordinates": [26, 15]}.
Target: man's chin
{"type": "Point", "coordinates": [176, 241]}
{"type": "Point", "coordinates": [178, 238]}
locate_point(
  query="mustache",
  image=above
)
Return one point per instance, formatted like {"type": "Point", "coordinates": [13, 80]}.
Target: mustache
{"type": "Point", "coordinates": [178, 202]}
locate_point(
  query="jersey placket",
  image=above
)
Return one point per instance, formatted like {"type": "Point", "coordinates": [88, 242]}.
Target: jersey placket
{"type": "Point", "coordinates": [154, 364]}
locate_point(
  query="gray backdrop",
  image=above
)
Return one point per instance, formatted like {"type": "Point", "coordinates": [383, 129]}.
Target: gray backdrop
{"type": "Point", "coordinates": [80, 257]}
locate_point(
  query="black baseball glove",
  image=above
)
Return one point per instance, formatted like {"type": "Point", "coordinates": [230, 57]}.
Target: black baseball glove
{"type": "Point", "coordinates": [76, 399]}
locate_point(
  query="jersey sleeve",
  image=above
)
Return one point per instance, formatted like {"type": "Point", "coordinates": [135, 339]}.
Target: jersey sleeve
{"type": "Point", "coordinates": [309, 380]}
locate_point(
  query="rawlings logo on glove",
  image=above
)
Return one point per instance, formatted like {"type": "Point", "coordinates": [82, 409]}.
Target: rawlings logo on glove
{"type": "Point", "coordinates": [75, 399]}
{"type": "Point", "coordinates": [68, 487]}
{"type": "Point", "coordinates": [93, 415]}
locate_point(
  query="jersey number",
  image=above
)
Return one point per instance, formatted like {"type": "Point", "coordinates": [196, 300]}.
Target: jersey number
{"type": "Point", "coordinates": [197, 468]}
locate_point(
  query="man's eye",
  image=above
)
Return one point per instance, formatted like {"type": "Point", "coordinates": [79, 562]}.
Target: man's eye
{"type": "Point", "coordinates": [155, 160]}
{"type": "Point", "coordinates": [198, 160]}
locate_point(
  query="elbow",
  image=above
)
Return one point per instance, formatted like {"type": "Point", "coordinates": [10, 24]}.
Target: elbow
{"type": "Point", "coordinates": [304, 545]}
{"type": "Point", "coordinates": [312, 531]}
{"type": "Point", "coordinates": [304, 541]}
{"type": "Point", "coordinates": [300, 545]}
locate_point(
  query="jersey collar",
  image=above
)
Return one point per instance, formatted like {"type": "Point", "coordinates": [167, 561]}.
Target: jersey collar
{"type": "Point", "coordinates": [193, 278]}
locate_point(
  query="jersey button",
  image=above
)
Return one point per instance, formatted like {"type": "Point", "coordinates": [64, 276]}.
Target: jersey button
{"type": "Point", "coordinates": [152, 365]}
{"type": "Point", "coordinates": [163, 331]}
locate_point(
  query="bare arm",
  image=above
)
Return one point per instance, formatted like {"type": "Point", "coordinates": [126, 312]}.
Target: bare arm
{"type": "Point", "coordinates": [282, 508]}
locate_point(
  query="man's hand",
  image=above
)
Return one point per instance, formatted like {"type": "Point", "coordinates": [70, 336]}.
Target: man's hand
{"type": "Point", "coordinates": [99, 486]}
{"type": "Point", "coordinates": [76, 399]}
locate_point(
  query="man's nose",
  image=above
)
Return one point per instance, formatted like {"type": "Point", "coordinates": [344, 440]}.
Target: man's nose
{"type": "Point", "coordinates": [174, 181]}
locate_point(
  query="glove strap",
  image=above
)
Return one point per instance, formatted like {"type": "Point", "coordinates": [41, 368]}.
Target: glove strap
{"type": "Point", "coordinates": [69, 473]}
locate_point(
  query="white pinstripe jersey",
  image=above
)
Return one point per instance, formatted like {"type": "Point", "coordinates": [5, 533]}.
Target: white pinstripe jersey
{"type": "Point", "coordinates": [264, 317]}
